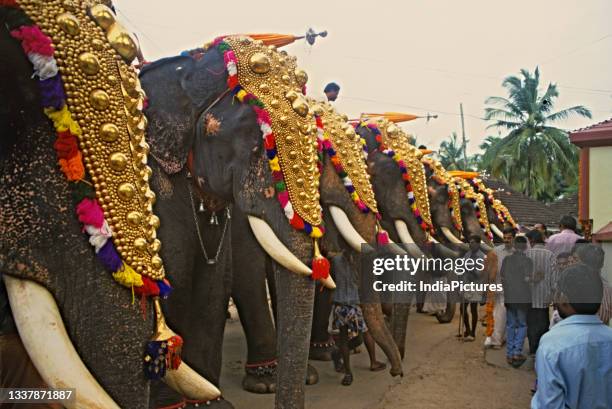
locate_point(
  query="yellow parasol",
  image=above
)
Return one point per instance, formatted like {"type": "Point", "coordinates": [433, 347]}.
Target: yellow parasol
{"type": "Point", "coordinates": [464, 174]}
{"type": "Point", "coordinates": [391, 116]}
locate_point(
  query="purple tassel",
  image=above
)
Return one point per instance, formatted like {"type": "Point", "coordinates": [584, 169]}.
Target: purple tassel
{"type": "Point", "coordinates": [52, 92]}
{"type": "Point", "coordinates": [109, 257]}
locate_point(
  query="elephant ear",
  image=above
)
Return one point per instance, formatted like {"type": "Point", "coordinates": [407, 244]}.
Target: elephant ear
{"type": "Point", "coordinates": [170, 112]}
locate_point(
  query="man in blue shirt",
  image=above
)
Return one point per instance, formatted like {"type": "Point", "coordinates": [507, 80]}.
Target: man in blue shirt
{"type": "Point", "coordinates": [574, 359]}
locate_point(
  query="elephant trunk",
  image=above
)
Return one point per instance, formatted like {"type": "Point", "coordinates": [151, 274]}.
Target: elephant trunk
{"type": "Point", "coordinates": [399, 324]}
{"type": "Point", "coordinates": [295, 295]}
{"type": "Point", "coordinates": [378, 329]}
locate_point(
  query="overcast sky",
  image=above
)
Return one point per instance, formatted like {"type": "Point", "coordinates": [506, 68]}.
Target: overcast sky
{"type": "Point", "coordinates": [411, 56]}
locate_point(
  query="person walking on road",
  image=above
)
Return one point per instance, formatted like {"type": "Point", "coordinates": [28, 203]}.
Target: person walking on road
{"type": "Point", "coordinates": [472, 297]}
{"type": "Point", "coordinates": [515, 273]}
{"type": "Point", "coordinates": [539, 280]}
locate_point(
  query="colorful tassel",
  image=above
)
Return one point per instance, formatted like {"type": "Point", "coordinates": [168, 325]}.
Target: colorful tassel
{"type": "Point", "coordinates": [320, 265]}
{"type": "Point", "coordinates": [175, 348]}
{"type": "Point", "coordinates": [155, 359]}
{"type": "Point", "coordinates": [382, 237]}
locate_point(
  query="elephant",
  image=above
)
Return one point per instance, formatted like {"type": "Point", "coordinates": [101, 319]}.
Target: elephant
{"type": "Point", "coordinates": [195, 121]}
{"type": "Point", "coordinates": [80, 328]}
{"type": "Point", "coordinates": [249, 285]}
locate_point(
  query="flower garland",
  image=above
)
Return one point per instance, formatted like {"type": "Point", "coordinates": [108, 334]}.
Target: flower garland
{"type": "Point", "coordinates": [320, 265]}
{"type": "Point", "coordinates": [405, 175]}
{"type": "Point", "coordinates": [41, 53]}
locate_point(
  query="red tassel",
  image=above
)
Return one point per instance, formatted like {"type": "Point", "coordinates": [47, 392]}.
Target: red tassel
{"type": "Point", "coordinates": [382, 237]}
{"type": "Point", "coordinates": [320, 268]}
{"type": "Point", "coordinates": [148, 289]}
{"type": "Point", "coordinates": [175, 347]}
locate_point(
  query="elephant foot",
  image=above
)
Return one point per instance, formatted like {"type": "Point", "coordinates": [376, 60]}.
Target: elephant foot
{"type": "Point", "coordinates": [397, 372]}
{"type": "Point", "coordinates": [321, 351]}
{"type": "Point", "coordinates": [260, 377]}
{"type": "Point", "coordinates": [312, 376]}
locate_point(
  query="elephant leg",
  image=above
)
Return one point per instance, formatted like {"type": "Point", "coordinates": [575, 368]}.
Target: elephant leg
{"type": "Point", "coordinates": [295, 301]}
{"type": "Point", "coordinates": [250, 296]}
{"type": "Point", "coordinates": [197, 307]}
{"type": "Point", "coordinates": [321, 343]}
{"type": "Point", "coordinates": [399, 324]}
{"type": "Point", "coordinates": [381, 334]}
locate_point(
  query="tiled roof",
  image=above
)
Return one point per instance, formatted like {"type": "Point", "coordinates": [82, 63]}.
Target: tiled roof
{"type": "Point", "coordinates": [525, 210]}
{"type": "Point", "coordinates": [605, 124]}
{"type": "Point", "coordinates": [565, 206]}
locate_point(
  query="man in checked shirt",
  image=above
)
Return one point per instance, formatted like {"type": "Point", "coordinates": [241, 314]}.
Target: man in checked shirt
{"type": "Point", "coordinates": [540, 282]}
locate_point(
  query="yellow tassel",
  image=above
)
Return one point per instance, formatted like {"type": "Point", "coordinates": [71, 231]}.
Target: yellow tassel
{"type": "Point", "coordinates": [62, 120]}
{"type": "Point", "coordinates": [274, 165]}
{"type": "Point", "coordinates": [316, 233]}
{"type": "Point", "coordinates": [127, 277]}
{"type": "Point", "coordinates": [241, 94]}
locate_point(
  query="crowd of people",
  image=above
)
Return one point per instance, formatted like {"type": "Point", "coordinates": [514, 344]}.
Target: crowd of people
{"type": "Point", "coordinates": [571, 343]}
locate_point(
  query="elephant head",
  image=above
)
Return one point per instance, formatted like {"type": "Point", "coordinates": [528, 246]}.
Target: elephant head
{"type": "Point", "coordinates": [444, 197]}
{"type": "Point", "coordinates": [398, 215]}
{"type": "Point", "coordinates": [192, 114]}
{"type": "Point", "coordinates": [68, 309]}
{"type": "Point", "coordinates": [474, 214]}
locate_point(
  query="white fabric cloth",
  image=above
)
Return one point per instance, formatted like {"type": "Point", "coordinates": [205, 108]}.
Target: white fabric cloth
{"type": "Point", "coordinates": [499, 321]}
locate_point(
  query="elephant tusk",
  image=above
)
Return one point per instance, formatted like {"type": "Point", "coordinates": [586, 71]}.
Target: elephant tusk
{"type": "Point", "coordinates": [191, 384]}
{"type": "Point", "coordinates": [406, 238]}
{"type": "Point", "coordinates": [450, 236]}
{"type": "Point", "coordinates": [346, 229]}
{"type": "Point", "coordinates": [183, 380]}
{"type": "Point", "coordinates": [497, 232]}
{"type": "Point", "coordinates": [45, 339]}
{"type": "Point", "coordinates": [396, 248]}
{"type": "Point", "coordinates": [453, 239]}
{"type": "Point", "coordinates": [275, 248]}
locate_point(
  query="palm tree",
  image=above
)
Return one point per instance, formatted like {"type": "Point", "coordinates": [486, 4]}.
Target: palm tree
{"type": "Point", "coordinates": [533, 154]}
{"type": "Point", "coordinates": [451, 153]}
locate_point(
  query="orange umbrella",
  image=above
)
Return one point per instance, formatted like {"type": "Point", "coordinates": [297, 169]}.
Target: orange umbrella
{"type": "Point", "coordinates": [278, 40]}
{"type": "Point", "coordinates": [392, 116]}
{"type": "Point", "coordinates": [464, 174]}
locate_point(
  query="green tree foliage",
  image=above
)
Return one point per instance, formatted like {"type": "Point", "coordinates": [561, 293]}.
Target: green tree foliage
{"type": "Point", "coordinates": [451, 155]}
{"type": "Point", "coordinates": [535, 157]}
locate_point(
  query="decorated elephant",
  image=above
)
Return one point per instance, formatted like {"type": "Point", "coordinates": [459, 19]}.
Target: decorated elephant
{"type": "Point", "coordinates": [72, 99]}
{"type": "Point", "coordinates": [498, 215]}
{"type": "Point", "coordinates": [235, 116]}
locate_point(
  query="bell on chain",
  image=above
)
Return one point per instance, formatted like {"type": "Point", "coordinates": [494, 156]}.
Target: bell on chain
{"type": "Point", "coordinates": [213, 219]}
{"type": "Point", "coordinates": [201, 208]}
{"type": "Point", "coordinates": [228, 214]}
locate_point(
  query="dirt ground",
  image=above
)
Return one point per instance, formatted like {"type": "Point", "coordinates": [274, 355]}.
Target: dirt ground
{"type": "Point", "coordinates": [439, 372]}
